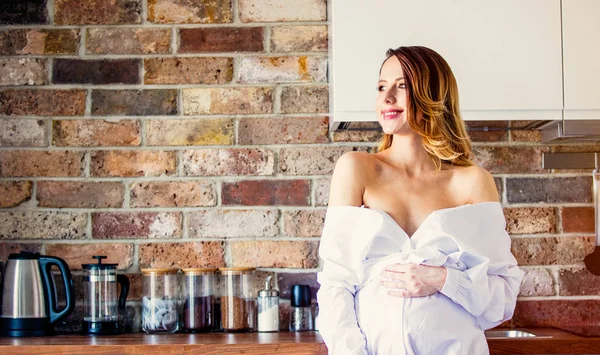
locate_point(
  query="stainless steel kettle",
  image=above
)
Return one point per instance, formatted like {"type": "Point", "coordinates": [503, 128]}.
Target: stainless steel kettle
{"type": "Point", "coordinates": [29, 297]}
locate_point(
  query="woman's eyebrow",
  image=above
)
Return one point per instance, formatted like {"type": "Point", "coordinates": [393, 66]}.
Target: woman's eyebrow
{"type": "Point", "coordinates": [397, 79]}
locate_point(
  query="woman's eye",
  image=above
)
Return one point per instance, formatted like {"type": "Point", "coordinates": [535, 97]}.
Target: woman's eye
{"type": "Point", "coordinates": [402, 86]}
{"type": "Point", "coordinates": [380, 88]}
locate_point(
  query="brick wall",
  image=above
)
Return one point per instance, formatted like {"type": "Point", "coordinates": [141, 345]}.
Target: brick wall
{"type": "Point", "coordinates": [195, 133]}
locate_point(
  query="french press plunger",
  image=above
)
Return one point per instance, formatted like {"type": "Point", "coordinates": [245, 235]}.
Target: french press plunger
{"type": "Point", "coordinates": [100, 293]}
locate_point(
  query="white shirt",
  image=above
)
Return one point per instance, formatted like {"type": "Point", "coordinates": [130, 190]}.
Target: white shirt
{"type": "Point", "coordinates": [356, 314]}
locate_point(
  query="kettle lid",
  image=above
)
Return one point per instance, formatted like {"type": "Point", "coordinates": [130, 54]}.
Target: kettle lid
{"type": "Point", "coordinates": [99, 264]}
{"type": "Point", "coordinates": [24, 255]}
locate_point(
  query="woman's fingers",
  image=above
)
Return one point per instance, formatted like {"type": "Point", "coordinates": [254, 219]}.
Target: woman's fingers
{"type": "Point", "coordinates": [393, 285]}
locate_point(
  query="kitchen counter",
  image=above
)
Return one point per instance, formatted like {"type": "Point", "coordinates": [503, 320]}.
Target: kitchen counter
{"type": "Point", "coordinates": [550, 341]}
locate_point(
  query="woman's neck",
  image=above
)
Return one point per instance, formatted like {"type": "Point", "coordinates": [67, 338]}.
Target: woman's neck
{"type": "Point", "coordinates": [408, 154]}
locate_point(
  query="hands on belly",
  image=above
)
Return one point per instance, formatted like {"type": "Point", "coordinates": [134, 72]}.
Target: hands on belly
{"type": "Point", "coordinates": [413, 280]}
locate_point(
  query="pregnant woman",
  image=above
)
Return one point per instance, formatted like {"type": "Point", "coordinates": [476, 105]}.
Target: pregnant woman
{"type": "Point", "coordinates": [416, 256]}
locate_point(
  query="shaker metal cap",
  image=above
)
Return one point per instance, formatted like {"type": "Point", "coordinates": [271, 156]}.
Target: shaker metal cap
{"type": "Point", "coordinates": [268, 291]}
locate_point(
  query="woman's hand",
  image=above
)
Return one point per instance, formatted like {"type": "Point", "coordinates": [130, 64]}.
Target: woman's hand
{"type": "Point", "coordinates": [413, 280]}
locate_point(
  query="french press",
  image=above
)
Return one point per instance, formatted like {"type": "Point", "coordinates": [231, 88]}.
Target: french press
{"type": "Point", "coordinates": [101, 305]}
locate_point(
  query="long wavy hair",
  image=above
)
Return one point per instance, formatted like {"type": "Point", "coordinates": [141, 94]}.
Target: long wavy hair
{"type": "Point", "coordinates": [432, 93]}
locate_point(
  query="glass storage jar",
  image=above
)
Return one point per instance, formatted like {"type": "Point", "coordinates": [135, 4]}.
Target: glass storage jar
{"type": "Point", "coordinates": [238, 302]}
{"type": "Point", "coordinates": [199, 300]}
{"type": "Point", "coordinates": [160, 302]}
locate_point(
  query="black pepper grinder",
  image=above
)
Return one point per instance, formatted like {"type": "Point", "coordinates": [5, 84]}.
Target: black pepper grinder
{"type": "Point", "coordinates": [301, 318]}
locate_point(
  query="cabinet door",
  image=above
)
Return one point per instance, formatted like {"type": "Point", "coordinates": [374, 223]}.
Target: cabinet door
{"type": "Point", "coordinates": [505, 54]}
{"type": "Point", "coordinates": [581, 55]}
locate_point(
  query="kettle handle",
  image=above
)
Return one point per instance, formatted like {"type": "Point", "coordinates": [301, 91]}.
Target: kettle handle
{"type": "Point", "coordinates": [124, 282]}
{"type": "Point", "coordinates": [46, 263]}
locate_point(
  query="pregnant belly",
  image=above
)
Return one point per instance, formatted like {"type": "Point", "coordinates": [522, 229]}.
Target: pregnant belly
{"type": "Point", "coordinates": [419, 325]}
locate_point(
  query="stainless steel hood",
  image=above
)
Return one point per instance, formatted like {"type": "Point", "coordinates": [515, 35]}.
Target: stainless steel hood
{"type": "Point", "coordinates": [567, 130]}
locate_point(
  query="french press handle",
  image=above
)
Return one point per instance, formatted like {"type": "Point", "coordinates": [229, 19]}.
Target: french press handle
{"type": "Point", "coordinates": [124, 282]}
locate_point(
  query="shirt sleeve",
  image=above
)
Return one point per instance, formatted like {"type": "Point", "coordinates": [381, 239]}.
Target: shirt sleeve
{"type": "Point", "coordinates": [343, 248]}
{"type": "Point", "coordinates": [487, 280]}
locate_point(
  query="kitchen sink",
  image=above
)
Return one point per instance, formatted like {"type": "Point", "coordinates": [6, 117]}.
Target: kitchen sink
{"type": "Point", "coordinates": [502, 334]}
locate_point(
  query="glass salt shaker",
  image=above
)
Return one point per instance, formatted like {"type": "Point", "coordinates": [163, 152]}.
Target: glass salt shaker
{"type": "Point", "coordinates": [268, 308]}
{"type": "Point", "coordinates": [301, 315]}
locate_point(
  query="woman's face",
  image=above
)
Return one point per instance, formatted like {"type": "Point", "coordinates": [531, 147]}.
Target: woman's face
{"type": "Point", "coordinates": [391, 98]}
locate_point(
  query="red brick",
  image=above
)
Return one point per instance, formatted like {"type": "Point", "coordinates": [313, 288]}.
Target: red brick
{"type": "Point", "coordinates": [578, 282]}
{"type": "Point", "coordinates": [305, 99]}
{"type": "Point", "coordinates": [311, 161]}
{"type": "Point", "coordinates": [521, 135]}
{"type": "Point", "coordinates": [23, 71]}
{"type": "Point", "coordinates": [224, 39]}
{"type": "Point", "coordinates": [578, 219]}
{"type": "Point", "coordinates": [17, 132]}
{"type": "Point", "coordinates": [42, 102]}
{"type": "Point", "coordinates": [96, 133]}
{"type": "Point", "coordinates": [282, 10]}
{"type": "Point", "coordinates": [188, 70]}
{"type": "Point", "coordinates": [266, 193]}
{"type": "Point", "coordinates": [42, 225]}
{"type": "Point", "coordinates": [132, 163]}
{"type": "Point", "coordinates": [236, 100]}
{"type": "Point", "coordinates": [225, 162]}
{"type": "Point", "coordinates": [488, 131]}
{"type": "Point", "coordinates": [77, 254]}
{"type": "Point", "coordinates": [109, 71]}
{"type": "Point", "coordinates": [299, 39]}
{"type": "Point", "coordinates": [552, 251]}
{"type": "Point", "coordinates": [128, 41]}
{"type": "Point", "coordinates": [39, 42]}
{"type": "Point", "coordinates": [173, 194]}
{"type": "Point", "coordinates": [510, 160]}
{"type": "Point", "coordinates": [285, 130]}
{"type": "Point", "coordinates": [303, 223]}
{"type": "Point", "coordinates": [530, 220]}
{"type": "Point", "coordinates": [13, 193]}
{"type": "Point", "coordinates": [21, 163]}
{"type": "Point", "coordinates": [282, 69]}
{"type": "Point", "coordinates": [233, 223]}
{"type": "Point", "coordinates": [205, 131]}
{"type": "Point", "coordinates": [557, 313]}
{"type": "Point", "coordinates": [549, 190]}
{"type": "Point", "coordinates": [79, 194]}
{"type": "Point", "coordinates": [537, 282]}
{"type": "Point", "coordinates": [97, 12]}
{"type": "Point", "coordinates": [185, 11]}
{"type": "Point", "coordinates": [8, 248]}
{"type": "Point", "coordinates": [276, 254]}
{"type": "Point", "coordinates": [197, 254]}
{"type": "Point", "coordinates": [134, 102]}
{"type": "Point", "coordinates": [23, 13]}
{"type": "Point", "coordinates": [285, 281]}
{"type": "Point", "coordinates": [134, 225]}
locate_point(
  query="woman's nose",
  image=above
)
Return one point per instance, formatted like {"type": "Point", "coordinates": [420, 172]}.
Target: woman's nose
{"type": "Point", "coordinates": [390, 98]}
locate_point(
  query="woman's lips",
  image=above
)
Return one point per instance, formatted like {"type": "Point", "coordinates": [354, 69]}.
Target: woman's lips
{"type": "Point", "coordinates": [391, 114]}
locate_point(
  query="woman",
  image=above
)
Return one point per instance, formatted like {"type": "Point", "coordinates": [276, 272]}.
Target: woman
{"type": "Point", "coordinates": [416, 259]}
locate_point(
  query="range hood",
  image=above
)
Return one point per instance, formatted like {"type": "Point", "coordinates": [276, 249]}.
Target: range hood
{"type": "Point", "coordinates": [567, 130]}
{"type": "Point", "coordinates": [552, 131]}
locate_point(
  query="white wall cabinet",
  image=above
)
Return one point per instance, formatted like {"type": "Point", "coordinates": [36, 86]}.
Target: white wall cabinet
{"type": "Point", "coordinates": [505, 54]}
{"type": "Point", "coordinates": [581, 53]}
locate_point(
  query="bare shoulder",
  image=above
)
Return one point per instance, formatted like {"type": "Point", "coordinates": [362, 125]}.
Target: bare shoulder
{"type": "Point", "coordinates": [349, 178]}
{"type": "Point", "coordinates": [479, 184]}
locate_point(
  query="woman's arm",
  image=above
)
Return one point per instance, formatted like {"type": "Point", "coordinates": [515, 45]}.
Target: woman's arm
{"type": "Point", "coordinates": [338, 279]}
